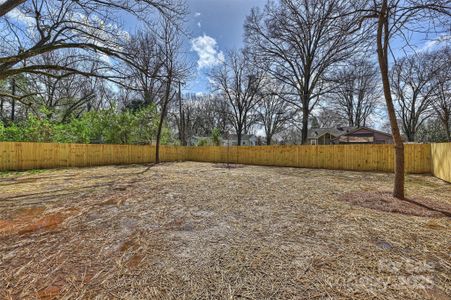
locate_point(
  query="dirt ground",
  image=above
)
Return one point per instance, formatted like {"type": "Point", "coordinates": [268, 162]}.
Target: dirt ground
{"type": "Point", "coordinates": [200, 231]}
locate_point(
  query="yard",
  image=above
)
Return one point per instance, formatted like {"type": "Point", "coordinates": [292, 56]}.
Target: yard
{"type": "Point", "coordinates": [200, 231]}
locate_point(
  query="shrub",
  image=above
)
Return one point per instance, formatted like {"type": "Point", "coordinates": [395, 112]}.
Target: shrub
{"type": "Point", "coordinates": [105, 126]}
{"type": "Point", "coordinates": [216, 136]}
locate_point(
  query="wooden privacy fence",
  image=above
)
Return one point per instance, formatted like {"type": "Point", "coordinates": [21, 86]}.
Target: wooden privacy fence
{"type": "Point", "coordinates": [340, 157]}
{"type": "Point", "coordinates": [441, 161]}
{"type": "Point", "coordinates": [419, 158]}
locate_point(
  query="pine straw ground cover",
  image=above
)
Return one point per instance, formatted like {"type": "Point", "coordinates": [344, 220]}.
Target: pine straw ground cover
{"type": "Point", "coordinates": [199, 231]}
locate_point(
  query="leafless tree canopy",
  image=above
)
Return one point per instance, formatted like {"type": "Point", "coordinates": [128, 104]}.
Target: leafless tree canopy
{"type": "Point", "coordinates": [146, 51]}
{"type": "Point", "coordinates": [299, 42]}
{"type": "Point", "coordinates": [37, 27]}
{"type": "Point", "coordinates": [356, 93]}
{"type": "Point", "coordinates": [239, 82]}
{"type": "Point", "coordinates": [274, 111]}
{"type": "Point", "coordinates": [199, 115]}
{"type": "Point", "coordinates": [441, 95]}
{"type": "Point", "coordinates": [413, 87]}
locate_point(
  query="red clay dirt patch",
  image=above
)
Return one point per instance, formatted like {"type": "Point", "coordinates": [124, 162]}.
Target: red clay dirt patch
{"type": "Point", "coordinates": [384, 201]}
{"type": "Point", "coordinates": [29, 220]}
{"type": "Point", "coordinates": [48, 222]}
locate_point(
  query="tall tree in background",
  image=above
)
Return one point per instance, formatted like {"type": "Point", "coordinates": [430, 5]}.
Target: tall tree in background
{"type": "Point", "coordinates": [413, 88]}
{"type": "Point", "coordinates": [273, 111]}
{"type": "Point", "coordinates": [328, 117]}
{"type": "Point", "coordinates": [62, 95]}
{"type": "Point", "coordinates": [183, 113]}
{"type": "Point", "coordinates": [145, 71]}
{"type": "Point", "coordinates": [356, 92]}
{"type": "Point", "coordinates": [239, 82]}
{"type": "Point", "coordinates": [442, 90]}
{"type": "Point", "coordinates": [299, 41]}
{"type": "Point", "coordinates": [173, 72]}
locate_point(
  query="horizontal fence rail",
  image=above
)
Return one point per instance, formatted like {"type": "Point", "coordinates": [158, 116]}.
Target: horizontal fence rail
{"type": "Point", "coordinates": [419, 158]}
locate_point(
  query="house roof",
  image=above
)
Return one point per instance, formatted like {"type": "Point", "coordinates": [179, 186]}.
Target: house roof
{"type": "Point", "coordinates": [315, 133]}
{"type": "Point", "coordinates": [367, 128]}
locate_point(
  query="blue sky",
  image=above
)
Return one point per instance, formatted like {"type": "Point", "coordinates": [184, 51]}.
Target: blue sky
{"type": "Point", "coordinates": [215, 26]}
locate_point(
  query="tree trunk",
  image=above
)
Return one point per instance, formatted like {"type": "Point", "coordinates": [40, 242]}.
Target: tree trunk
{"type": "Point", "coordinates": [157, 146]}
{"type": "Point", "coordinates": [238, 136]}
{"type": "Point", "coordinates": [410, 136]}
{"type": "Point", "coordinates": [304, 129]}
{"type": "Point", "coordinates": [182, 127]}
{"type": "Point", "coordinates": [268, 139]}
{"type": "Point", "coordinates": [13, 101]}
{"type": "Point", "coordinates": [147, 97]}
{"type": "Point", "coordinates": [160, 124]}
{"type": "Point", "coordinates": [447, 128]}
{"type": "Point", "coordinates": [382, 55]}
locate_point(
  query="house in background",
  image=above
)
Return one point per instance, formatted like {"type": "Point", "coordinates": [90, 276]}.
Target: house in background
{"type": "Point", "coordinates": [246, 140]}
{"type": "Point", "coordinates": [325, 136]}
{"type": "Point", "coordinates": [347, 135]}
{"type": "Point", "coordinates": [232, 140]}
{"type": "Point", "coordinates": [364, 135]}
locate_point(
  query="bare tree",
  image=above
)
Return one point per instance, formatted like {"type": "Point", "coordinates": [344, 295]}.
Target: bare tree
{"type": "Point", "coordinates": [412, 79]}
{"type": "Point", "coordinates": [90, 26]}
{"type": "Point", "coordinates": [299, 42]}
{"type": "Point", "coordinates": [173, 72]}
{"type": "Point", "coordinates": [238, 81]}
{"type": "Point", "coordinates": [442, 90]}
{"type": "Point", "coordinates": [145, 52]}
{"type": "Point", "coordinates": [273, 111]}
{"type": "Point", "coordinates": [183, 115]}
{"type": "Point", "coordinates": [15, 94]}
{"type": "Point", "coordinates": [197, 115]}
{"type": "Point", "coordinates": [200, 115]}
{"type": "Point", "coordinates": [356, 92]}
{"type": "Point", "coordinates": [64, 96]}
{"type": "Point", "coordinates": [184, 118]}
{"type": "Point", "coordinates": [393, 18]}
{"type": "Point", "coordinates": [431, 131]}
{"type": "Point", "coordinates": [328, 117]}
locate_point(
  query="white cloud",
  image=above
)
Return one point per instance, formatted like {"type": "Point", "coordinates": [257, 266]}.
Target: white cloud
{"type": "Point", "coordinates": [199, 24]}
{"type": "Point", "coordinates": [206, 48]}
{"type": "Point", "coordinates": [18, 15]}
{"type": "Point", "coordinates": [197, 14]}
{"type": "Point", "coordinates": [442, 39]}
